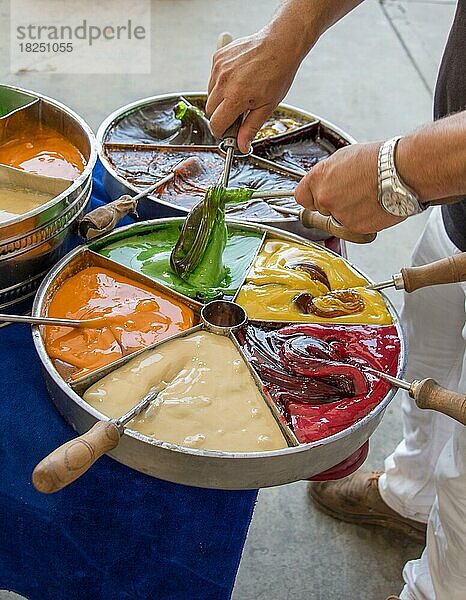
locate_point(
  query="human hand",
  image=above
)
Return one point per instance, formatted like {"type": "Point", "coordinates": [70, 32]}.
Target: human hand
{"type": "Point", "coordinates": [345, 185]}
{"type": "Point", "coordinates": [251, 75]}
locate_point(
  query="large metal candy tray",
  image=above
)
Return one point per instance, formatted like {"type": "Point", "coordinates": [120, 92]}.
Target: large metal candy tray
{"type": "Point", "coordinates": [191, 466]}
{"type": "Point", "coordinates": [132, 132]}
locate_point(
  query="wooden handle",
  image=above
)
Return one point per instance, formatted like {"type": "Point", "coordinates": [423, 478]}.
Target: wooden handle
{"type": "Point", "coordinates": [447, 270]}
{"type": "Point", "coordinates": [104, 219]}
{"type": "Point", "coordinates": [73, 459]}
{"type": "Point", "coordinates": [224, 39]}
{"type": "Point", "coordinates": [313, 218]}
{"type": "Point", "coordinates": [429, 394]}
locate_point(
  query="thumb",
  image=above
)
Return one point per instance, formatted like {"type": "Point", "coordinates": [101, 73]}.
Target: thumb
{"type": "Point", "coordinates": [251, 125]}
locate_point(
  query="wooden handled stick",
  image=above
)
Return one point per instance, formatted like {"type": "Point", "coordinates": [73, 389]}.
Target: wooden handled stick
{"type": "Point", "coordinates": [314, 219]}
{"type": "Point", "coordinates": [311, 218]}
{"type": "Point", "coordinates": [65, 464]}
{"type": "Point", "coordinates": [105, 218]}
{"type": "Point", "coordinates": [447, 270]}
{"type": "Point", "coordinates": [73, 459]}
{"type": "Point", "coordinates": [224, 39]}
{"type": "Point", "coordinates": [429, 394]}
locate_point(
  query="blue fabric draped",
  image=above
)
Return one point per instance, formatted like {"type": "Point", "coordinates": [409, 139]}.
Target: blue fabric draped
{"type": "Point", "coordinates": [115, 534]}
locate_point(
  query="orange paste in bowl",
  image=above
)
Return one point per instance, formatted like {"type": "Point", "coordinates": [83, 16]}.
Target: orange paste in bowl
{"type": "Point", "coordinates": [131, 316]}
{"type": "Point", "coordinates": [42, 150]}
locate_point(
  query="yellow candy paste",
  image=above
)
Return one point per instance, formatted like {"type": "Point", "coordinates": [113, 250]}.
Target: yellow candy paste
{"type": "Point", "coordinates": [274, 281]}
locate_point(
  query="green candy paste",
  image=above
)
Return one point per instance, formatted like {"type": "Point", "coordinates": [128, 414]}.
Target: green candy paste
{"type": "Point", "coordinates": [184, 112]}
{"type": "Point", "coordinates": [217, 274]}
{"type": "Point", "coordinates": [212, 274]}
{"type": "Point", "coordinates": [238, 195]}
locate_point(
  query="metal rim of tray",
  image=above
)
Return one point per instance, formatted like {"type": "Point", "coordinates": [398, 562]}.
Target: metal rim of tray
{"type": "Point", "coordinates": [123, 111]}
{"type": "Point", "coordinates": [96, 415]}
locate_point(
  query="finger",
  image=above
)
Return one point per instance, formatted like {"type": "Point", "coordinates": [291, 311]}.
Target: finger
{"type": "Point", "coordinates": [318, 204]}
{"type": "Point", "coordinates": [323, 211]}
{"type": "Point", "coordinates": [212, 80]}
{"type": "Point", "coordinates": [223, 116]}
{"type": "Point", "coordinates": [214, 98]}
{"type": "Point", "coordinates": [215, 70]}
{"type": "Point", "coordinates": [303, 194]}
{"type": "Point", "coordinates": [224, 39]}
{"type": "Point", "coordinates": [251, 125]}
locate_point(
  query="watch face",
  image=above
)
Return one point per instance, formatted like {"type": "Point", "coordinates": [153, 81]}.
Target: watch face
{"type": "Point", "coordinates": [400, 205]}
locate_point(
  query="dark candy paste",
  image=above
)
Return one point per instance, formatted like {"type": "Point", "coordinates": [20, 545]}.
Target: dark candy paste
{"type": "Point", "coordinates": [158, 123]}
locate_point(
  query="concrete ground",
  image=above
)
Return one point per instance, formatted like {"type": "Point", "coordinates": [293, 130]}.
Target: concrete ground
{"type": "Point", "coordinates": [373, 75]}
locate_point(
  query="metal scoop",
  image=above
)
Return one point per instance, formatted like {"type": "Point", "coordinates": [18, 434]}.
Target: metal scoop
{"type": "Point", "coordinates": [71, 460]}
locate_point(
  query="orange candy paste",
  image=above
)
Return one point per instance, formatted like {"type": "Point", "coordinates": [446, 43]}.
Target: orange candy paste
{"type": "Point", "coordinates": [131, 316]}
{"type": "Point", "coordinates": [42, 150]}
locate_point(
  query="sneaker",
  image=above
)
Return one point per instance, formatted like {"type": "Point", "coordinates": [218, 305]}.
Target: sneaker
{"type": "Point", "coordinates": [356, 499]}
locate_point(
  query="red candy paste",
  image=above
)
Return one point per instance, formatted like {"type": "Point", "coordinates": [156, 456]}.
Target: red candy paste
{"type": "Point", "coordinates": [313, 372]}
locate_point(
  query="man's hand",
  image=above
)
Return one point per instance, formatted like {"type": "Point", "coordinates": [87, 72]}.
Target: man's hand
{"type": "Point", "coordinates": [345, 186]}
{"type": "Point", "coordinates": [251, 76]}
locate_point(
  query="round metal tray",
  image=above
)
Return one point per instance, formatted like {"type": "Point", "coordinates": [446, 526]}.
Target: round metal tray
{"type": "Point", "coordinates": [32, 243]}
{"type": "Point", "coordinates": [313, 125]}
{"type": "Point", "coordinates": [203, 468]}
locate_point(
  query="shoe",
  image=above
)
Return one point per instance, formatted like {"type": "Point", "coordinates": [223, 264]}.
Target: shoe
{"type": "Point", "coordinates": [356, 499]}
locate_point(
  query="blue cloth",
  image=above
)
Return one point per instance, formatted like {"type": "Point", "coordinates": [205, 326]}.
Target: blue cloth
{"type": "Point", "coordinates": [115, 534]}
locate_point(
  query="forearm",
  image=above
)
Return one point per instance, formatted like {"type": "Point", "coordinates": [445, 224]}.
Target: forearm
{"type": "Point", "coordinates": [432, 159]}
{"type": "Point", "coordinates": [304, 21]}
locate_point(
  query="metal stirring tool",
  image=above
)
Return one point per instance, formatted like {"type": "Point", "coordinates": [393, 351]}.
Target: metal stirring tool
{"type": "Point", "coordinates": [230, 145]}
{"type": "Point", "coordinates": [104, 218]}
{"type": "Point", "coordinates": [71, 460]}
{"type": "Point", "coordinates": [198, 225]}
{"type": "Point", "coordinates": [428, 394]}
{"type": "Point", "coordinates": [94, 323]}
{"type": "Point", "coordinates": [447, 270]}
{"type": "Point", "coordinates": [311, 219]}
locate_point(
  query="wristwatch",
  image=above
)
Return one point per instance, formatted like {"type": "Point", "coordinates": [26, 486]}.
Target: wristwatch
{"type": "Point", "coordinates": [394, 195]}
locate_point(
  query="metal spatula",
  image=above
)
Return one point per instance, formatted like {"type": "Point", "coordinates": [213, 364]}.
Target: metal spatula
{"type": "Point", "coordinates": [196, 231]}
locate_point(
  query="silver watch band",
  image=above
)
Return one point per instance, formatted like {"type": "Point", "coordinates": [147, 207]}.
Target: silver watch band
{"type": "Point", "coordinates": [389, 181]}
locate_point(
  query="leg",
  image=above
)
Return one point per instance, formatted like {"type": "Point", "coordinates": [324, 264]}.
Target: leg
{"type": "Point", "coordinates": [402, 498]}
{"type": "Point", "coordinates": [433, 319]}
{"type": "Point", "coordinates": [441, 570]}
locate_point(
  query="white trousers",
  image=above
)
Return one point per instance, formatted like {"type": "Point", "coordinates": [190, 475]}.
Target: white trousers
{"type": "Point", "coordinates": [425, 478]}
